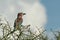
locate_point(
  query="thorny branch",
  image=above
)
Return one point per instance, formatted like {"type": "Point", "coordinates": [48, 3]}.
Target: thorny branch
{"type": "Point", "coordinates": [7, 33]}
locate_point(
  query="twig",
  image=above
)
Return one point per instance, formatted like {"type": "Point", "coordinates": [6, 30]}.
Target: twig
{"type": "Point", "coordinates": [38, 35]}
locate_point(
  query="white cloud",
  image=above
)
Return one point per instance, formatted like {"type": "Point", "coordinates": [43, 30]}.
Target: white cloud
{"type": "Point", "coordinates": [35, 12]}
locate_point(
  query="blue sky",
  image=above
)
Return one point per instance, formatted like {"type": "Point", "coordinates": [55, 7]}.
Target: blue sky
{"type": "Point", "coordinates": [53, 13]}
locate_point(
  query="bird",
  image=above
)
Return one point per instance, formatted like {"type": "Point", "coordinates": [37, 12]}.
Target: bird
{"type": "Point", "coordinates": [18, 21]}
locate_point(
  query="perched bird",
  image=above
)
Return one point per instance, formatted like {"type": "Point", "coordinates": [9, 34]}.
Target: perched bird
{"type": "Point", "coordinates": [19, 20]}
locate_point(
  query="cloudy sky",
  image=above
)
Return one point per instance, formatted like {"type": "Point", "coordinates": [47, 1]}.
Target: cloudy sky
{"type": "Point", "coordinates": [10, 8]}
{"type": "Point", "coordinates": [7, 7]}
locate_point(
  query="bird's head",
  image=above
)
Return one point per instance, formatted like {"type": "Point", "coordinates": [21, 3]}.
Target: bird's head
{"type": "Point", "coordinates": [20, 14]}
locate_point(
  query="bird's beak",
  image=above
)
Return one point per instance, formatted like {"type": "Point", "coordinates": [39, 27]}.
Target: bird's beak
{"type": "Point", "coordinates": [24, 13]}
